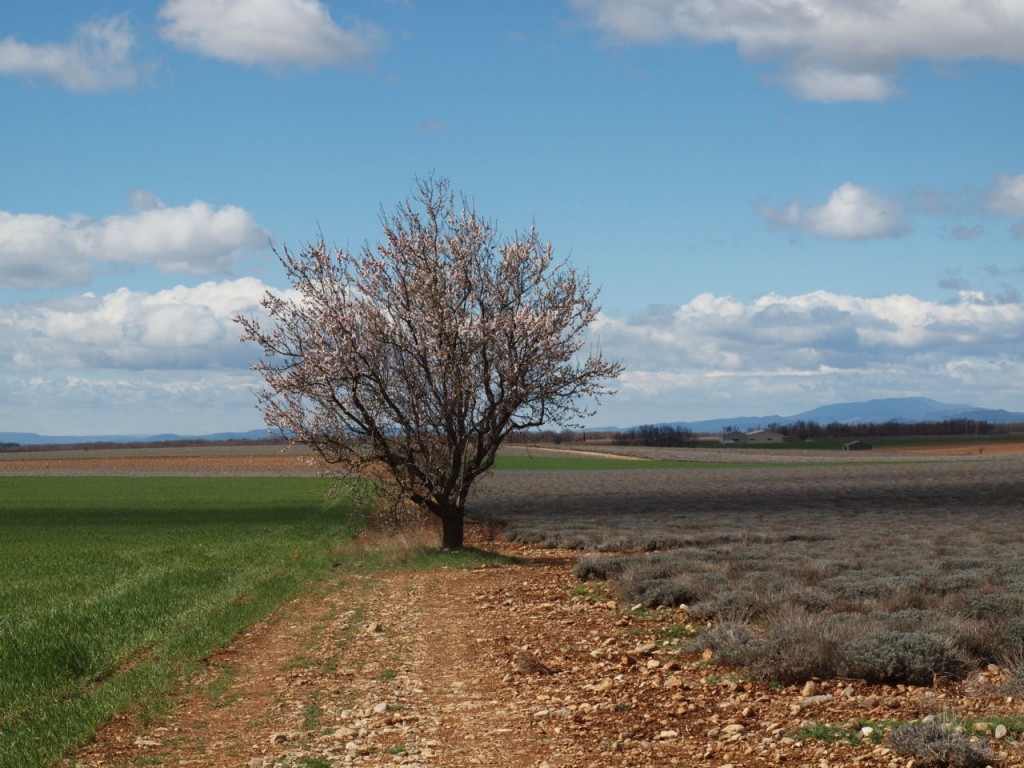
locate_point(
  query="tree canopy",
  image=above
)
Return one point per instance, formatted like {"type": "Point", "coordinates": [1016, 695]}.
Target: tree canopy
{"type": "Point", "coordinates": [416, 357]}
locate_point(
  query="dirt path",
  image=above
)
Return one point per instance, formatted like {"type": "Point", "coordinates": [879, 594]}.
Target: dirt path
{"type": "Point", "coordinates": [511, 667]}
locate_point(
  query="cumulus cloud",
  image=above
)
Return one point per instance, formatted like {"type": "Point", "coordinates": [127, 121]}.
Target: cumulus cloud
{"type": "Point", "coordinates": [131, 361]}
{"type": "Point", "coordinates": [97, 58]}
{"type": "Point", "coordinates": [39, 251]}
{"type": "Point", "coordinates": [826, 50]}
{"type": "Point", "coordinates": [851, 213]}
{"type": "Point", "coordinates": [808, 331]}
{"type": "Point", "coordinates": [178, 328]}
{"type": "Point", "coordinates": [717, 355]}
{"type": "Point", "coordinates": [1007, 195]}
{"type": "Point", "coordinates": [271, 33]}
{"type": "Point", "coordinates": [134, 352]}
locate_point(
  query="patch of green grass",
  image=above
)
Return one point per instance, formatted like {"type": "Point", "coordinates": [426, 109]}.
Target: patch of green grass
{"type": "Point", "coordinates": [389, 674]}
{"type": "Point", "coordinates": [425, 558]}
{"type": "Point", "coordinates": [579, 462]}
{"type": "Point", "coordinates": [312, 715]}
{"type": "Point", "coordinates": [396, 749]}
{"type": "Point", "coordinates": [830, 734]}
{"type": "Point", "coordinates": [601, 463]}
{"type": "Point", "coordinates": [593, 592]}
{"type": "Point", "coordinates": [732, 677]}
{"type": "Point", "coordinates": [648, 615]}
{"type": "Point", "coordinates": [672, 632]}
{"type": "Point", "coordinates": [845, 734]}
{"type": "Point", "coordinates": [298, 662]}
{"type": "Point", "coordinates": [1014, 724]}
{"type": "Point", "coordinates": [309, 761]}
{"type": "Point", "coordinates": [218, 692]}
{"type": "Point", "coordinates": [112, 585]}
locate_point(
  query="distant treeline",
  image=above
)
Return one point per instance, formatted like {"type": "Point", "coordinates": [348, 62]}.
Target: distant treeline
{"type": "Point", "coordinates": [656, 435]}
{"type": "Point", "coordinates": [670, 436]}
{"type": "Point", "coordinates": [809, 430]}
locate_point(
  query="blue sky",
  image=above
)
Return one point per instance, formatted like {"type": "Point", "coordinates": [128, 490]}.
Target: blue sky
{"type": "Point", "coordinates": [786, 203]}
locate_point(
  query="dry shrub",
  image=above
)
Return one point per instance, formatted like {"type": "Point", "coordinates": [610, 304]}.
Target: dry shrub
{"type": "Point", "coordinates": [934, 745]}
{"type": "Point", "coordinates": [592, 568]}
{"type": "Point", "coordinates": [395, 545]}
{"type": "Point", "coordinates": [798, 647]}
{"type": "Point", "coordinates": [730, 641]}
{"type": "Point", "coordinates": [657, 580]}
{"type": "Point", "coordinates": [387, 508]}
{"type": "Point", "coordinates": [1014, 684]}
{"type": "Point", "coordinates": [899, 657]}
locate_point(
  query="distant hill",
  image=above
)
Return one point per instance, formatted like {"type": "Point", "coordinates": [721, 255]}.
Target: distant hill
{"type": "Point", "coordinates": [906, 410]}
{"type": "Point", "coordinates": [30, 438]}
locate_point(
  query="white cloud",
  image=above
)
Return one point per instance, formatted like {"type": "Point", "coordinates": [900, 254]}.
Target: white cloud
{"type": "Point", "coordinates": [38, 251]}
{"type": "Point", "coordinates": [272, 33]}
{"type": "Point", "coordinates": [718, 356]}
{"type": "Point", "coordinates": [173, 358]}
{"type": "Point", "coordinates": [131, 362]}
{"type": "Point", "coordinates": [829, 50]}
{"type": "Point", "coordinates": [178, 328]}
{"type": "Point", "coordinates": [815, 83]}
{"type": "Point", "coordinates": [1007, 195]}
{"type": "Point", "coordinates": [97, 58]}
{"type": "Point", "coordinates": [851, 213]}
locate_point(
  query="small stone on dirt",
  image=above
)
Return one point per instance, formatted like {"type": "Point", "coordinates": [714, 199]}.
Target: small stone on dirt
{"type": "Point", "coordinates": [821, 698]}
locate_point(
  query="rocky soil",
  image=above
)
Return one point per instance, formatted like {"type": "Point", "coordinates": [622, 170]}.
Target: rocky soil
{"type": "Point", "coordinates": [517, 666]}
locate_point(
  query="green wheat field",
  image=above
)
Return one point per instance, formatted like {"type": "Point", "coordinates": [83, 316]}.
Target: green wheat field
{"type": "Point", "coordinates": [113, 586]}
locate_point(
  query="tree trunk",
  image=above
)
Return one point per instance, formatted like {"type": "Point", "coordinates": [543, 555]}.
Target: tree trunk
{"type": "Point", "coordinates": [453, 528]}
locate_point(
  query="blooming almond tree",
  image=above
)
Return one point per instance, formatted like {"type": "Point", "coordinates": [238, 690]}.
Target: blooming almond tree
{"type": "Point", "coordinates": [415, 359]}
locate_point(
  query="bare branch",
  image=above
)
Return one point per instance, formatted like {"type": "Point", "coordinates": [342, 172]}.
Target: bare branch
{"type": "Point", "coordinates": [422, 354]}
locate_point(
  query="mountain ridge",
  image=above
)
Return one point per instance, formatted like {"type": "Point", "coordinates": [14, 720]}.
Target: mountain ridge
{"type": "Point", "coordinates": [907, 410]}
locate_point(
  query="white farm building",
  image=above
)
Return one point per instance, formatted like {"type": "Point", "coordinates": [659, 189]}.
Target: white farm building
{"type": "Point", "coordinates": [757, 436]}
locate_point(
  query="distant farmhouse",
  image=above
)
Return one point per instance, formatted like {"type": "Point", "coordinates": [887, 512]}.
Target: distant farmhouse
{"type": "Point", "coordinates": [857, 445]}
{"type": "Point", "coordinates": [757, 436]}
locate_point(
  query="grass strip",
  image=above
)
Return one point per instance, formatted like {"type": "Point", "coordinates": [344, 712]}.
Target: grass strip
{"type": "Point", "coordinates": [601, 463]}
